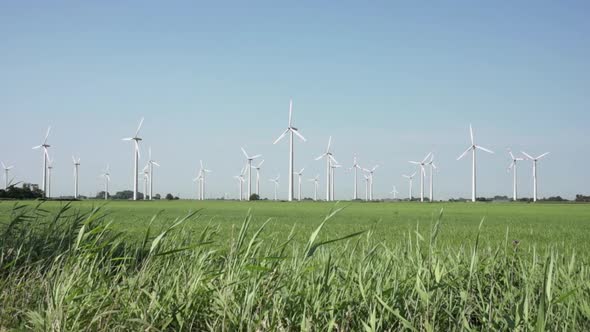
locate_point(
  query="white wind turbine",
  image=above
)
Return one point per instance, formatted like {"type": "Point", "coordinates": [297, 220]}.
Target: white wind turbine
{"type": "Point", "coordinates": [76, 166]}
{"type": "Point", "coordinates": [202, 172]}
{"type": "Point", "coordinates": [394, 192]}
{"type": "Point", "coordinates": [329, 160]}
{"type": "Point", "coordinates": [151, 164]}
{"type": "Point", "coordinates": [49, 170]}
{"type": "Point", "coordinates": [257, 168]}
{"type": "Point", "coordinates": [249, 166]}
{"type": "Point", "coordinates": [45, 146]}
{"type": "Point", "coordinates": [6, 170]}
{"type": "Point", "coordinates": [136, 139]}
{"type": "Point", "coordinates": [422, 174]}
{"type": "Point", "coordinates": [370, 172]}
{"type": "Point", "coordinates": [107, 178]}
{"type": "Point", "coordinates": [241, 180]}
{"type": "Point", "coordinates": [355, 167]}
{"type": "Point", "coordinates": [299, 175]}
{"type": "Point", "coordinates": [473, 148]}
{"type": "Point", "coordinates": [276, 182]}
{"type": "Point", "coordinates": [290, 130]}
{"type": "Point", "coordinates": [197, 180]}
{"type": "Point", "coordinates": [513, 167]}
{"type": "Point", "coordinates": [432, 168]}
{"type": "Point", "coordinates": [315, 181]}
{"type": "Point", "coordinates": [411, 180]}
{"type": "Point", "coordinates": [534, 160]}
{"type": "Point", "coordinates": [146, 180]}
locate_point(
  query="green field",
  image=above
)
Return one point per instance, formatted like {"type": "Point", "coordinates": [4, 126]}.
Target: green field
{"type": "Point", "coordinates": [257, 266]}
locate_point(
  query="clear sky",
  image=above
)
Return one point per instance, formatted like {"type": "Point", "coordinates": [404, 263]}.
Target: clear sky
{"type": "Point", "coordinates": [390, 81]}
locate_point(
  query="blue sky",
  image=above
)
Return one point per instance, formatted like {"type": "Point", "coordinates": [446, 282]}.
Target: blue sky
{"type": "Point", "coordinates": [390, 81]}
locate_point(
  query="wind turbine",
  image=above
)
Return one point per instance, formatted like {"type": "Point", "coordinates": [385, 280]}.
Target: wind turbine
{"type": "Point", "coordinates": [411, 179]}
{"type": "Point", "coordinates": [241, 180]}
{"type": "Point", "coordinates": [257, 168]}
{"type": "Point", "coordinates": [76, 166]}
{"type": "Point", "coordinates": [315, 186]}
{"type": "Point", "coordinates": [394, 192]}
{"type": "Point", "coordinates": [151, 164]}
{"type": "Point", "coordinates": [329, 160]}
{"type": "Point", "coordinates": [249, 166]}
{"type": "Point", "coordinates": [146, 180]}
{"type": "Point", "coordinates": [107, 178]}
{"type": "Point", "coordinates": [202, 172]}
{"type": "Point", "coordinates": [136, 139]}
{"type": "Point", "coordinates": [6, 169]}
{"type": "Point", "coordinates": [422, 174]}
{"type": "Point", "coordinates": [290, 130]}
{"type": "Point", "coordinates": [534, 160]}
{"type": "Point", "coordinates": [299, 175]}
{"type": "Point", "coordinates": [49, 169]}
{"type": "Point", "coordinates": [356, 167]}
{"type": "Point", "coordinates": [276, 182]}
{"type": "Point", "coordinates": [473, 148]}
{"type": "Point", "coordinates": [198, 180]}
{"type": "Point", "coordinates": [45, 146]}
{"type": "Point", "coordinates": [512, 167]}
{"type": "Point", "coordinates": [370, 172]}
{"type": "Point", "coordinates": [432, 168]}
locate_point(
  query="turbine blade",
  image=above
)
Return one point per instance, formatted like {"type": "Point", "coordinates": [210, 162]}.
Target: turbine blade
{"type": "Point", "coordinates": [139, 127]}
{"type": "Point", "coordinates": [414, 162]}
{"type": "Point", "coordinates": [3, 165]}
{"type": "Point", "coordinates": [74, 159]}
{"type": "Point", "coordinates": [260, 165]}
{"type": "Point", "coordinates": [484, 149]}
{"type": "Point", "coordinates": [137, 150]}
{"type": "Point", "coordinates": [321, 156]}
{"type": "Point", "coordinates": [296, 132]}
{"type": "Point", "coordinates": [511, 155]}
{"type": "Point", "coordinates": [127, 139]}
{"type": "Point", "coordinates": [256, 156]}
{"type": "Point", "coordinates": [464, 153]}
{"type": "Point", "coordinates": [290, 111]}
{"type": "Point", "coordinates": [201, 162]}
{"type": "Point", "coordinates": [528, 155]}
{"type": "Point", "coordinates": [329, 143]}
{"type": "Point", "coordinates": [47, 135]}
{"type": "Point", "coordinates": [543, 155]}
{"type": "Point", "coordinates": [281, 137]}
{"type": "Point", "coordinates": [245, 154]}
{"type": "Point", "coordinates": [471, 134]}
{"type": "Point", "coordinates": [334, 160]}
{"type": "Point", "coordinates": [150, 153]}
{"type": "Point", "coordinates": [155, 163]}
{"type": "Point", "coordinates": [426, 158]}
{"type": "Point", "coordinates": [37, 147]}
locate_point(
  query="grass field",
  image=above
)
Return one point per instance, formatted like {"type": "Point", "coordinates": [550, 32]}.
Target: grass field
{"type": "Point", "coordinates": [301, 266]}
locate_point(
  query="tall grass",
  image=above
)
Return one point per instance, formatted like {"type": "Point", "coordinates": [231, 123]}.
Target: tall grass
{"type": "Point", "coordinates": [69, 271]}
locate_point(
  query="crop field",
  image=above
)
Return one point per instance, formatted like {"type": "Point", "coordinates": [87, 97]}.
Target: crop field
{"type": "Point", "coordinates": [226, 266]}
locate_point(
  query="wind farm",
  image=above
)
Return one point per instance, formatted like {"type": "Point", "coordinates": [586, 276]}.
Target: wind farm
{"type": "Point", "coordinates": [305, 166]}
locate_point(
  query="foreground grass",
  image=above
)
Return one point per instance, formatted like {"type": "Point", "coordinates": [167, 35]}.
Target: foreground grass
{"type": "Point", "coordinates": [69, 270]}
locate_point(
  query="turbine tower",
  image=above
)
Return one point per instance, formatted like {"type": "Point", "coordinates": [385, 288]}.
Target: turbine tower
{"type": "Point", "coordinates": [146, 180]}
{"type": "Point", "coordinates": [249, 167]}
{"type": "Point", "coordinates": [473, 148]}
{"type": "Point", "coordinates": [151, 164]}
{"type": "Point", "coordinates": [422, 174]}
{"type": "Point", "coordinates": [329, 160]}
{"type": "Point", "coordinates": [76, 166]}
{"type": "Point", "coordinates": [315, 186]}
{"type": "Point", "coordinates": [411, 179]}
{"type": "Point", "coordinates": [299, 175]}
{"type": "Point", "coordinates": [512, 167]}
{"type": "Point", "coordinates": [241, 180]}
{"type": "Point", "coordinates": [333, 165]}
{"type": "Point", "coordinates": [6, 169]}
{"type": "Point", "coordinates": [257, 168]}
{"type": "Point", "coordinates": [107, 178]}
{"type": "Point", "coordinates": [198, 180]}
{"type": "Point", "coordinates": [432, 168]}
{"type": "Point", "coordinates": [276, 182]}
{"type": "Point", "coordinates": [290, 130]}
{"type": "Point", "coordinates": [534, 160]}
{"type": "Point", "coordinates": [49, 169]}
{"type": "Point", "coordinates": [136, 139]}
{"type": "Point", "coordinates": [355, 167]}
{"type": "Point", "coordinates": [45, 146]}
{"type": "Point", "coordinates": [367, 180]}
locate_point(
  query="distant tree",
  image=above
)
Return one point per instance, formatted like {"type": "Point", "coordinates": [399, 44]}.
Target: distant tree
{"type": "Point", "coordinates": [157, 196]}
{"type": "Point", "coordinates": [176, 198]}
{"type": "Point", "coordinates": [169, 197]}
{"type": "Point", "coordinates": [25, 192]}
{"type": "Point", "coordinates": [582, 198]}
{"type": "Point", "coordinates": [254, 197]}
